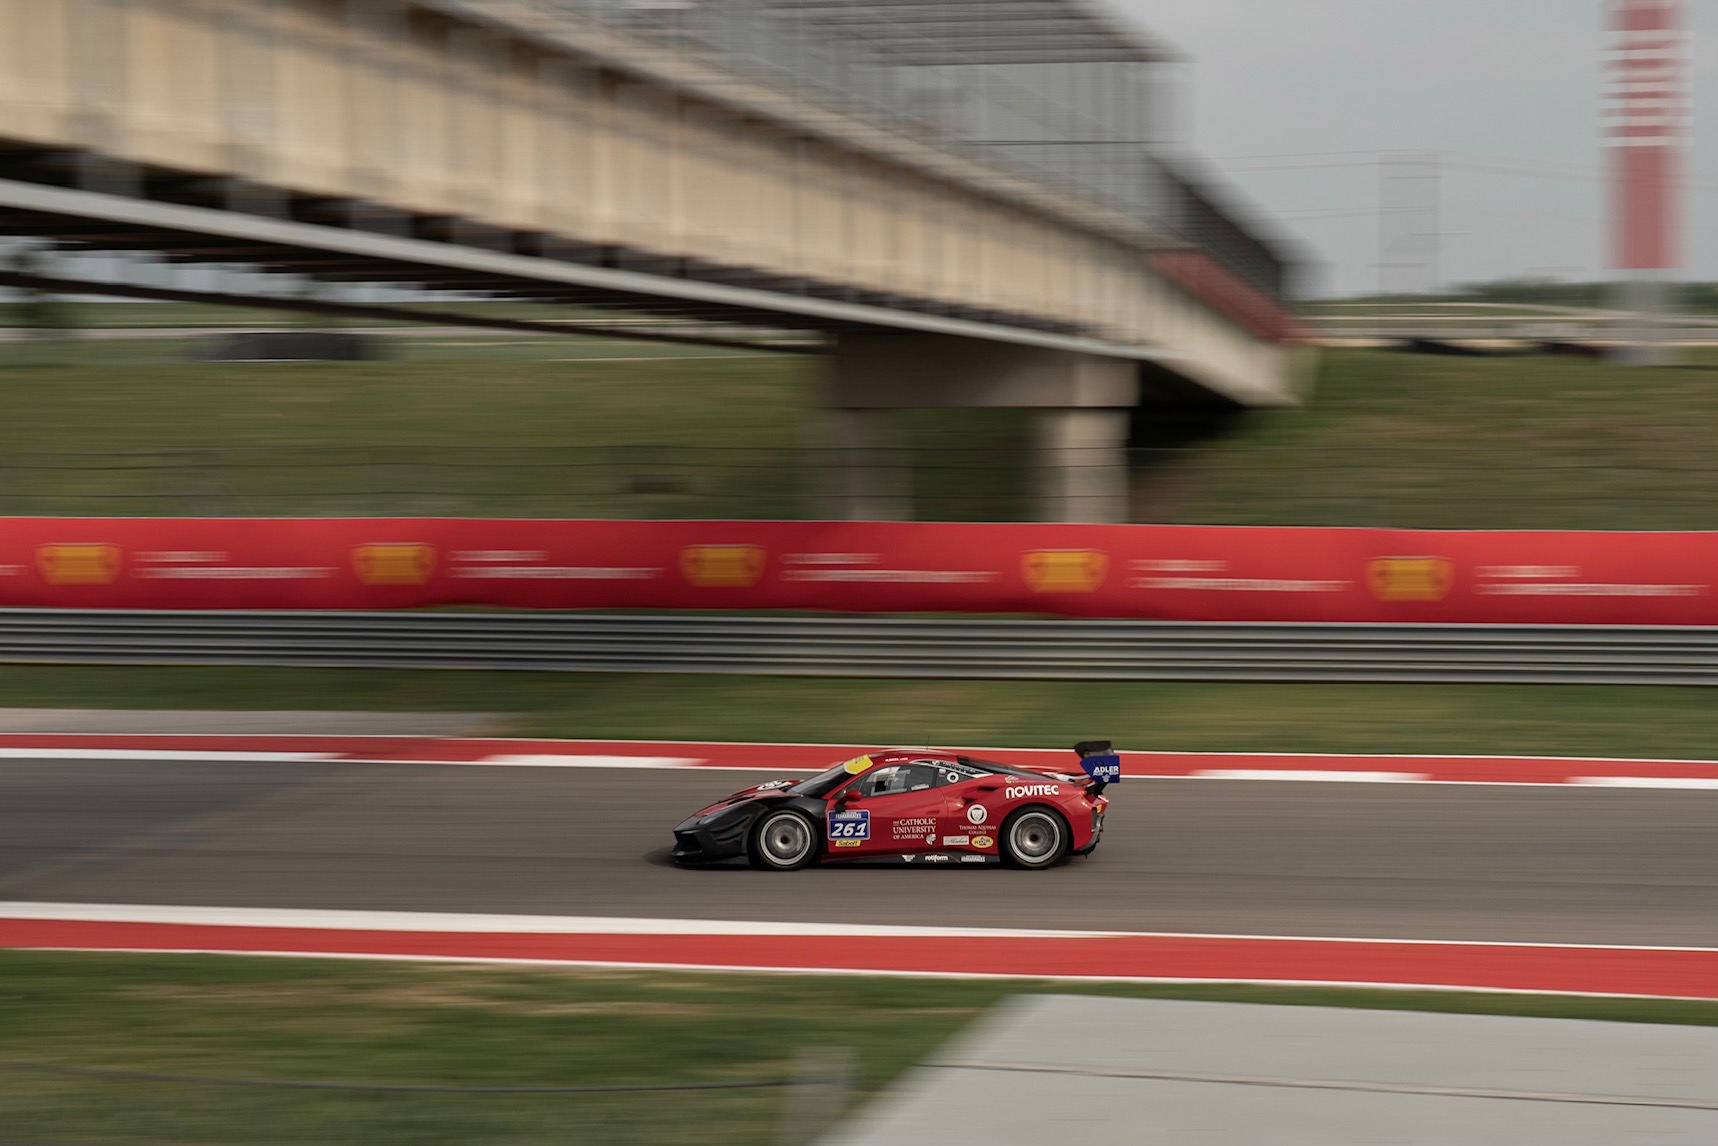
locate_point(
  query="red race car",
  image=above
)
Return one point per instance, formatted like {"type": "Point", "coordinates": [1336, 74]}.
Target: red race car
{"type": "Point", "coordinates": [909, 805]}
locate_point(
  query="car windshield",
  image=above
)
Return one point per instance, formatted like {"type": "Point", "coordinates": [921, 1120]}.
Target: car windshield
{"type": "Point", "coordinates": [823, 783]}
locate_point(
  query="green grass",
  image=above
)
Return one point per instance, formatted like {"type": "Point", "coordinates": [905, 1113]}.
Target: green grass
{"type": "Point", "coordinates": [1462, 443]}
{"type": "Point", "coordinates": [1573, 720]}
{"type": "Point", "coordinates": [472, 1025]}
{"type": "Point", "coordinates": [471, 425]}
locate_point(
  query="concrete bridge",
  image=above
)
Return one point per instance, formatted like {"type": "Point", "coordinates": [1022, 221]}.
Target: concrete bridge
{"type": "Point", "coordinates": [969, 202]}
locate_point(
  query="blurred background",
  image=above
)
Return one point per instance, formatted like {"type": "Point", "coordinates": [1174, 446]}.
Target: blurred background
{"type": "Point", "coordinates": [1073, 262]}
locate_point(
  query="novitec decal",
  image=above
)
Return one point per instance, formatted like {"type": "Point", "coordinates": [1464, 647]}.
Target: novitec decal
{"type": "Point", "coordinates": [1024, 791]}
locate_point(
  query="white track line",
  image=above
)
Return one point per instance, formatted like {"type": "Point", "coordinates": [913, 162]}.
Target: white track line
{"type": "Point", "coordinates": [582, 762]}
{"type": "Point", "coordinates": [470, 923]}
{"type": "Point", "coordinates": [1703, 783]}
{"type": "Point", "coordinates": [778, 970]}
{"type": "Point", "coordinates": [185, 755]}
{"type": "Point", "coordinates": [1310, 774]}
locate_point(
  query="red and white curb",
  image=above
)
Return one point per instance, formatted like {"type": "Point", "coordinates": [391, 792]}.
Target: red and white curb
{"type": "Point", "coordinates": [816, 948]}
{"type": "Point", "coordinates": [780, 758]}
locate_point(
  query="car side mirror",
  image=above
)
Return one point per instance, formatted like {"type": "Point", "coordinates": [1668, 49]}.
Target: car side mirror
{"type": "Point", "coordinates": [846, 798]}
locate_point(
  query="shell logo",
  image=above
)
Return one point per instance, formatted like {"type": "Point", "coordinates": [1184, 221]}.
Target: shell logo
{"type": "Point", "coordinates": [1065, 570]}
{"type": "Point", "coordinates": [722, 566]}
{"type": "Point", "coordinates": [1410, 578]}
{"type": "Point", "coordinates": [393, 563]}
{"type": "Point", "coordinates": [78, 564]}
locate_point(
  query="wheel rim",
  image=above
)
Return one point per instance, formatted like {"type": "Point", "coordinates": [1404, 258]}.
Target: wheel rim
{"type": "Point", "coordinates": [1035, 838]}
{"type": "Point", "coordinates": [786, 839]}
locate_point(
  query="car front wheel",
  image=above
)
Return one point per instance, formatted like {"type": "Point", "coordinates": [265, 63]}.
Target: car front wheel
{"type": "Point", "coordinates": [783, 841]}
{"type": "Point", "coordinates": [1034, 838]}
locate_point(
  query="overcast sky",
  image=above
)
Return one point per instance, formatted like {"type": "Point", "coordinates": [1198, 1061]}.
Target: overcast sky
{"type": "Point", "coordinates": [1500, 88]}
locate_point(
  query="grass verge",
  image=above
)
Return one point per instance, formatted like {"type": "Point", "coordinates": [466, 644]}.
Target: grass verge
{"type": "Point", "coordinates": [562, 427]}
{"type": "Point", "coordinates": [1567, 720]}
{"type": "Point", "coordinates": [476, 1025]}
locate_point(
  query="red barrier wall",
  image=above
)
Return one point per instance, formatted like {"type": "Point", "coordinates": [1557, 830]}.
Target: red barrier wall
{"type": "Point", "coordinates": [1173, 572]}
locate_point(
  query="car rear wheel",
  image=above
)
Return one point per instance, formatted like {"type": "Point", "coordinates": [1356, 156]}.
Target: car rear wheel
{"type": "Point", "coordinates": [1034, 838]}
{"type": "Point", "coordinates": [783, 841]}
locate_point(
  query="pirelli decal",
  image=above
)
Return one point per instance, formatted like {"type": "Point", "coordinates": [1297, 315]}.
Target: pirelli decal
{"type": "Point", "coordinates": [82, 564]}
{"type": "Point", "coordinates": [722, 566]}
{"type": "Point", "coordinates": [1410, 578]}
{"type": "Point", "coordinates": [393, 563]}
{"type": "Point", "coordinates": [1065, 570]}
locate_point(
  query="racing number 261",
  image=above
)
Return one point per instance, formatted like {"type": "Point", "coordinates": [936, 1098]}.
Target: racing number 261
{"type": "Point", "coordinates": [850, 826]}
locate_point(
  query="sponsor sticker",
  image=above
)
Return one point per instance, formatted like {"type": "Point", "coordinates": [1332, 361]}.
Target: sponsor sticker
{"type": "Point", "coordinates": [971, 859]}
{"type": "Point", "coordinates": [850, 825]}
{"type": "Point", "coordinates": [1106, 769]}
{"type": "Point", "coordinates": [914, 826]}
{"type": "Point", "coordinates": [1410, 578]}
{"type": "Point", "coordinates": [956, 841]}
{"type": "Point", "coordinates": [769, 784]}
{"type": "Point", "coordinates": [977, 814]}
{"type": "Point", "coordinates": [857, 765]}
{"type": "Point", "coordinates": [937, 859]}
{"type": "Point", "coordinates": [393, 563]}
{"type": "Point", "coordinates": [983, 842]}
{"type": "Point", "coordinates": [1024, 791]}
{"type": "Point", "coordinates": [78, 564]}
{"type": "Point", "coordinates": [848, 843]}
{"type": "Point", "coordinates": [722, 566]}
{"type": "Point", "coordinates": [1065, 570]}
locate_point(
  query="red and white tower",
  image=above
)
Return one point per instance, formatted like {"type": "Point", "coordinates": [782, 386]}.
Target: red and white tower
{"type": "Point", "coordinates": [1645, 130]}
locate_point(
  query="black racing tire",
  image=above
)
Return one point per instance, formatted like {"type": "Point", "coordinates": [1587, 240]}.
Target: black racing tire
{"type": "Point", "coordinates": [782, 840]}
{"type": "Point", "coordinates": [1034, 837]}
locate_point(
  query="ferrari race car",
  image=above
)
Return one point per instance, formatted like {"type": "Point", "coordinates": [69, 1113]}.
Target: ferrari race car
{"type": "Point", "coordinates": [919, 807]}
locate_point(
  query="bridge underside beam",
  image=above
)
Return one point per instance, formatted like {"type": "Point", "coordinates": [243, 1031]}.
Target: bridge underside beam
{"type": "Point", "coordinates": [97, 221]}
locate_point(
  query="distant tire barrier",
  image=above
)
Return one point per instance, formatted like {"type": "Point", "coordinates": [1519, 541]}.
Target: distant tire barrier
{"type": "Point", "coordinates": [1180, 573]}
{"type": "Point", "coordinates": [867, 647]}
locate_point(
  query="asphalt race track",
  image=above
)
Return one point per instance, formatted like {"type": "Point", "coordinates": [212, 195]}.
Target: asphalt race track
{"type": "Point", "coordinates": [1524, 864]}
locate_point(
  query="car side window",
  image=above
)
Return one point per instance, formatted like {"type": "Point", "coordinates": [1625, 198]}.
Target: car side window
{"type": "Point", "coordinates": [951, 773]}
{"type": "Point", "coordinates": [894, 779]}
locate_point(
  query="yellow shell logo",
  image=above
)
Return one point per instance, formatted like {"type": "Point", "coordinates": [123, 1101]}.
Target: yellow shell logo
{"type": "Point", "coordinates": [78, 564]}
{"type": "Point", "coordinates": [1410, 578]}
{"type": "Point", "coordinates": [393, 564]}
{"type": "Point", "coordinates": [1065, 570]}
{"type": "Point", "coordinates": [722, 566]}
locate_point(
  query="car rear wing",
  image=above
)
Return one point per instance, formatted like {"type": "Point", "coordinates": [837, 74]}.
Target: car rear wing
{"type": "Point", "coordinates": [1099, 762]}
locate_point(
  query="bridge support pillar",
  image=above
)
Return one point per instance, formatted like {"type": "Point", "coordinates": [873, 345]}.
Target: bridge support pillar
{"type": "Point", "coordinates": [1082, 465]}
{"type": "Point", "coordinates": [1080, 454]}
{"type": "Point", "coordinates": [864, 475]}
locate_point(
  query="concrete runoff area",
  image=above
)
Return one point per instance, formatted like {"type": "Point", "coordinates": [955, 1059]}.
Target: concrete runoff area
{"type": "Point", "coordinates": [1051, 1068]}
{"type": "Point", "coordinates": [1510, 864]}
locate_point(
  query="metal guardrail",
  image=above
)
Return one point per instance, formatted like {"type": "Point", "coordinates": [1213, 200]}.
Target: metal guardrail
{"type": "Point", "coordinates": [975, 648]}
